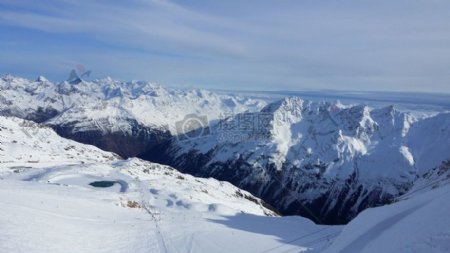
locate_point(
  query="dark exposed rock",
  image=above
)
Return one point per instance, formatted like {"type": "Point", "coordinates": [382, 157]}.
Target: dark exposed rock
{"type": "Point", "coordinates": [122, 143]}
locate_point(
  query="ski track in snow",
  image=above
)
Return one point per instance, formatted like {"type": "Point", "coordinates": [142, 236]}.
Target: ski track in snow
{"type": "Point", "coordinates": [145, 200]}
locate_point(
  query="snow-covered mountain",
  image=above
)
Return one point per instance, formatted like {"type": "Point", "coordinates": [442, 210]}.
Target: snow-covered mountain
{"type": "Point", "coordinates": [324, 161]}
{"type": "Point", "coordinates": [77, 198]}
{"type": "Point", "coordinates": [124, 117]}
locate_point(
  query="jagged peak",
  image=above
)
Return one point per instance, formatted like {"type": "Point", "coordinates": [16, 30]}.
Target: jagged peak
{"type": "Point", "coordinates": [201, 93]}
{"type": "Point", "coordinates": [392, 114]}
{"type": "Point", "coordinates": [357, 112]}
{"type": "Point", "coordinates": [336, 106]}
{"type": "Point", "coordinates": [292, 103]}
{"type": "Point", "coordinates": [42, 79]}
{"type": "Point", "coordinates": [108, 79]}
{"type": "Point", "coordinates": [387, 110]}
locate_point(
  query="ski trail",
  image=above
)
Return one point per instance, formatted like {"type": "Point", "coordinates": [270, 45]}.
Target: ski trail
{"type": "Point", "coordinates": [159, 236]}
{"type": "Point", "coordinates": [190, 245]}
{"type": "Point", "coordinates": [145, 200]}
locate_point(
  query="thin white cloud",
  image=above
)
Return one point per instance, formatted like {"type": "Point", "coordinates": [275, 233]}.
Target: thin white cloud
{"type": "Point", "coordinates": [287, 45]}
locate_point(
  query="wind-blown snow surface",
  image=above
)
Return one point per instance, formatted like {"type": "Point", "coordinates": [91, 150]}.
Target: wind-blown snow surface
{"type": "Point", "coordinates": [48, 204]}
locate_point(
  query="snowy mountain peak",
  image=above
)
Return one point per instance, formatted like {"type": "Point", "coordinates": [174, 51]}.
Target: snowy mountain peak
{"type": "Point", "coordinates": [107, 79]}
{"type": "Point", "coordinates": [285, 105]}
{"type": "Point", "coordinates": [42, 79]}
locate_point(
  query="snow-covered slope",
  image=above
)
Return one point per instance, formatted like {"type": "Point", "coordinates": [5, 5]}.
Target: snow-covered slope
{"type": "Point", "coordinates": [34, 152]}
{"type": "Point", "coordinates": [322, 158]}
{"type": "Point", "coordinates": [87, 200]}
{"type": "Point", "coordinates": [26, 142]}
{"type": "Point", "coordinates": [40, 217]}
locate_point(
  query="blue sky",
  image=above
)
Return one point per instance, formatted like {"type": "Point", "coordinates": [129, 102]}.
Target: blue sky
{"type": "Point", "coordinates": [391, 45]}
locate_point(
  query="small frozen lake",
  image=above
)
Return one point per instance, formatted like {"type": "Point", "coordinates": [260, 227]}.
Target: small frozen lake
{"type": "Point", "coordinates": [85, 181]}
{"type": "Point", "coordinates": [107, 184]}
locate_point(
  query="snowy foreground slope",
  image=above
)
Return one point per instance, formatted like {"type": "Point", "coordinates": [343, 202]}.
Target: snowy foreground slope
{"type": "Point", "coordinates": [49, 205]}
